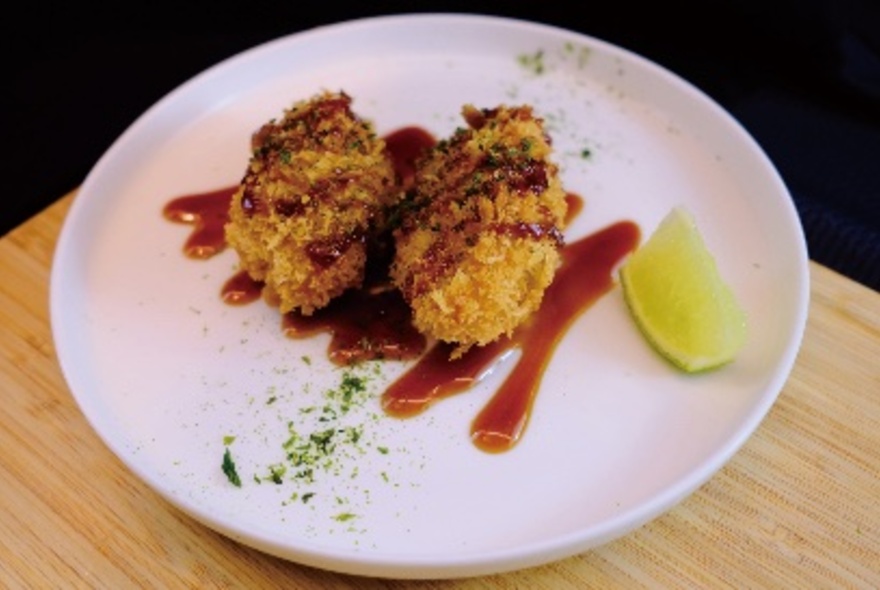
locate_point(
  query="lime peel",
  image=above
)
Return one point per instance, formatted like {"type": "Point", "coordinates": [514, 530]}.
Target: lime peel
{"type": "Point", "coordinates": [679, 301]}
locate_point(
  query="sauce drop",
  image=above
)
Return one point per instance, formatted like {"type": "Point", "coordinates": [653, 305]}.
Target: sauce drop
{"type": "Point", "coordinates": [208, 212]}
{"type": "Point", "coordinates": [240, 288]}
{"type": "Point", "coordinates": [375, 323]}
{"type": "Point", "coordinates": [575, 205]}
{"type": "Point", "coordinates": [405, 146]}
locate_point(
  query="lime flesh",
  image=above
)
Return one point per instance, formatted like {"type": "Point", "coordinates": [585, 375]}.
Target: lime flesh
{"type": "Point", "coordinates": [678, 299]}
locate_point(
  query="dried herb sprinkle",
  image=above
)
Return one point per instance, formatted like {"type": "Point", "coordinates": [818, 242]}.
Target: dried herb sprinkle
{"type": "Point", "coordinates": [326, 439]}
{"type": "Point", "coordinates": [229, 469]}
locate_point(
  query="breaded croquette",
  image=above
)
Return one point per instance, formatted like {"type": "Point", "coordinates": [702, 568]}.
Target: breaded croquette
{"type": "Point", "coordinates": [316, 189]}
{"type": "Point", "coordinates": [479, 237]}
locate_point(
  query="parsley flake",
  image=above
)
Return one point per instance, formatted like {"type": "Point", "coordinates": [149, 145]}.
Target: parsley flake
{"type": "Point", "coordinates": [228, 467]}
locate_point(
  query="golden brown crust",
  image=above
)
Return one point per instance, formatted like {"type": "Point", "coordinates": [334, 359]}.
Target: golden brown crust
{"type": "Point", "coordinates": [480, 239]}
{"type": "Point", "coordinates": [315, 191]}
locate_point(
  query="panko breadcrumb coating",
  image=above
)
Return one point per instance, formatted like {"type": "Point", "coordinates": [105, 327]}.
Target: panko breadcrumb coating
{"type": "Point", "coordinates": [315, 191]}
{"type": "Point", "coordinates": [479, 238]}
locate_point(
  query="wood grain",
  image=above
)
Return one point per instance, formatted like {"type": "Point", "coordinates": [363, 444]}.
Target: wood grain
{"type": "Point", "coordinates": [797, 507]}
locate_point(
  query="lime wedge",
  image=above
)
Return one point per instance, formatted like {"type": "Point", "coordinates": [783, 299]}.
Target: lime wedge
{"type": "Point", "coordinates": [679, 300]}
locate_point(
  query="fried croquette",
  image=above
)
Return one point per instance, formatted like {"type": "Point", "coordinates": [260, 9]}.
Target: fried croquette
{"type": "Point", "coordinates": [479, 239]}
{"type": "Point", "coordinates": [315, 191]}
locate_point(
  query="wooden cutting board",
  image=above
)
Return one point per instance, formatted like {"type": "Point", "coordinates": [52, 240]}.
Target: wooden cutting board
{"type": "Point", "coordinates": [797, 507]}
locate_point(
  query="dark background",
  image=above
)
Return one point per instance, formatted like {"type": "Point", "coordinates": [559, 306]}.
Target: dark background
{"type": "Point", "coordinates": [803, 77]}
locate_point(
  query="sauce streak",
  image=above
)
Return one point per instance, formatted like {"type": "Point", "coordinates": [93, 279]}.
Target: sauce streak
{"type": "Point", "coordinates": [374, 322]}
{"type": "Point", "coordinates": [240, 288]}
{"type": "Point", "coordinates": [365, 325]}
{"type": "Point", "coordinates": [208, 212]}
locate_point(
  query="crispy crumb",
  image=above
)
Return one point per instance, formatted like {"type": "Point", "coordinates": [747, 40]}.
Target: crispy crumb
{"type": "Point", "coordinates": [481, 241]}
{"type": "Point", "coordinates": [314, 194]}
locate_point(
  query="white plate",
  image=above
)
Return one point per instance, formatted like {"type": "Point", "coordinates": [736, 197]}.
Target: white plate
{"type": "Point", "coordinates": [163, 370]}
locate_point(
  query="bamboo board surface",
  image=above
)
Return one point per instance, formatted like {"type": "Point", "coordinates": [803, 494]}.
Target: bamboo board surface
{"type": "Point", "coordinates": [797, 507]}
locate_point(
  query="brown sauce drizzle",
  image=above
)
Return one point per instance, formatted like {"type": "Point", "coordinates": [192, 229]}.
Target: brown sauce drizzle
{"type": "Point", "coordinates": [575, 204]}
{"type": "Point", "coordinates": [365, 325]}
{"type": "Point", "coordinates": [375, 323]}
{"type": "Point", "coordinates": [240, 288]}
{"type": "Point", "coordinates": [208, 212]}
{"type": "Point", "coordinates": [324, 253]}
{"type": "Point", "coordinates": [535, 231]}
{"type": "Point", "coordinates": [405, 146]}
